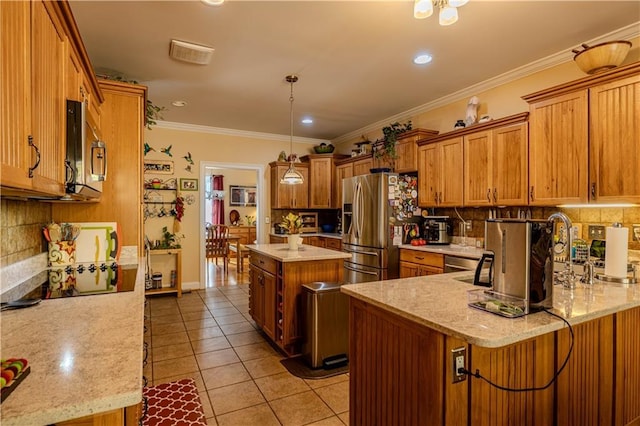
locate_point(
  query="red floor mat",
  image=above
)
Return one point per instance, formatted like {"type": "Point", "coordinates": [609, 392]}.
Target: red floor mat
{"type": "Point", "coordinates": [173, 404]}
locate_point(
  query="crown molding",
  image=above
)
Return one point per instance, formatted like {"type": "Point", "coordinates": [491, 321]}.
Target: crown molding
{"type": "Point", "coordinates": [625, 33]}
{"type": "Point", "coordinates": [237, 133]}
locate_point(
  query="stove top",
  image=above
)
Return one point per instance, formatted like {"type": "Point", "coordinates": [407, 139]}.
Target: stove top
{"type": "Point", "coordinates": [86, 279]}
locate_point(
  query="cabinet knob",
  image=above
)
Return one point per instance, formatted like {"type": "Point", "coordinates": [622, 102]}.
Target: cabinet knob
{"type": "Point", "coordinates": [531, 194]}
{"type": "Point", "coordinates": [489, 194]}
{"type": "Point", "coordinates": [593, 190]}
{"type": "Point", "coordinates": [495, 195]}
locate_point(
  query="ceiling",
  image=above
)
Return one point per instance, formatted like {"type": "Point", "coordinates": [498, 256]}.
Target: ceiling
{"type": "Point", "coordinates": [354, 58]}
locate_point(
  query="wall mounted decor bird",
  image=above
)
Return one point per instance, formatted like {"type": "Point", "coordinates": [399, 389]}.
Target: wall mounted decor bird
{"type": "Point", "coordinates": [148, 148]}
{"type": "Point", "coordinates": [188, 158]}
{"type": "Point", "coordinates": [167, 151]}
{"type": "Point", "coordinates": [188, 168]}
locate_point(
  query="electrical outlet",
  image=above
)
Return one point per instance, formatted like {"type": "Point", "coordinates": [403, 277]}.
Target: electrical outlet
{"type": "Point", "coordinates": [458, 362]}
{"type": "Point", "coordinates": [596, 232]}
{"type": "Point", "coordinates": [267, 219]}
{"type": "Point", "coordinates": [636, 232]}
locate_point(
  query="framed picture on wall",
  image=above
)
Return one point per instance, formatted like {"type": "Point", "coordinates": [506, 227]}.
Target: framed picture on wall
{"type": "Point", "coordinates": [158, 167]}
{"type": "Point", "coordinates": [242, 196]}
{"type": "Point", "coordinates": [188, 184]}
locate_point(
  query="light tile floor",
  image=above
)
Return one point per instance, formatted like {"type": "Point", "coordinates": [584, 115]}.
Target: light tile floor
{"type": "Point", "coordinates": [209, 335]}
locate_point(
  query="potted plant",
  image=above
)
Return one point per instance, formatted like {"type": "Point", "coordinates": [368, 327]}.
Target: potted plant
{"type": "Point", "coordinates": [292, 224]}
{"type": "Point", "coordinates": [385, 148]}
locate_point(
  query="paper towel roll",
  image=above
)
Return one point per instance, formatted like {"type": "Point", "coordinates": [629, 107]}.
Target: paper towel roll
{"type": "Point", "coordinates": [615, 258]}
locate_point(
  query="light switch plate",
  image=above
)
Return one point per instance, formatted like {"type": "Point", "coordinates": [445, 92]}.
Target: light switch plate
{"type": "Point", "coordinates": [597, 232]}
{"type": "Point", "coordinates": [636, 232]}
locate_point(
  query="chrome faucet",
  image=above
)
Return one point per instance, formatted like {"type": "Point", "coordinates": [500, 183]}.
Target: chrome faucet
{"type": "Point", "coordinates": [568, 281]}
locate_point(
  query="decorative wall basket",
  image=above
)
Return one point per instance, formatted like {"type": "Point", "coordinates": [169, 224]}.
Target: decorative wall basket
{"type": "Point", "coordinates": [601, 57]}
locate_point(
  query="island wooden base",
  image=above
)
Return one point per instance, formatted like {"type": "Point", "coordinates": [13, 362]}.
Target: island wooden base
{"type": "Point", "coordinates": [275, 295]}
{"type": "Point", "coordinates": [401, 374]}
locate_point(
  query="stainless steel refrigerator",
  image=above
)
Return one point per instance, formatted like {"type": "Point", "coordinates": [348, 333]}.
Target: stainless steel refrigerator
{"type": "Point", "coordinates": [373, 217]}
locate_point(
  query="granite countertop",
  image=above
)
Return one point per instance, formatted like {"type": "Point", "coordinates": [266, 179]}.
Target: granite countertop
{"type": "Point", "coordinates": [440, 302]}
{"type": "Point", "coordinates": [282, 253]}
{"type": "Point", "coordinates": [313, 234]}
{"type": "Point", "coordinates": [85, 355]}
{"type": "Point", "coordinates": [449, 249]}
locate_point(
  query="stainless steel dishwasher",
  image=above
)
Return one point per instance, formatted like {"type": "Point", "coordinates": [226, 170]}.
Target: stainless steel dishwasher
{"type": "Point", "coordinates": [458, 264]}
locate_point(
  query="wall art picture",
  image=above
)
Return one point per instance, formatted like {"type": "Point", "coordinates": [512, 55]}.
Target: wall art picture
{"type": "Point", "coordinates": [188, 184]}
{"type": "Point", "coordinates": [158, 167]}
{"type": "Point", "coordinates": [243, 196]}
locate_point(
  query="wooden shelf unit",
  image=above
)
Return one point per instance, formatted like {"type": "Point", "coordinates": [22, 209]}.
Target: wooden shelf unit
{"type": "Point", "coordinates": [166, 261]}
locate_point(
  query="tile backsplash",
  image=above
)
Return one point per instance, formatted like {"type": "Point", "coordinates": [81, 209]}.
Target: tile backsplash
{"type": "Point", "coordinates": [627, 216]}
{"type": "Point", "coordinates": [21, 225]}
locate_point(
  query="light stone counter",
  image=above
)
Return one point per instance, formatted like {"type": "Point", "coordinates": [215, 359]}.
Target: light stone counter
{"type": "Point", "coordinates": [306, 253]}
{"type": "Point", "coordinates": [85, 355]}
{"type": "Point", "coordinates": [440, 302]}
{"type": "Point", "coordinates": [450, 249]}
{"type": "Point", "coordinates": [333, 235]}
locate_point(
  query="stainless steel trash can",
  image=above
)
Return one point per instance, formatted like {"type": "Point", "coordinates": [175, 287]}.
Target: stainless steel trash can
{"type": "Point", "coordinates": [326, 325]}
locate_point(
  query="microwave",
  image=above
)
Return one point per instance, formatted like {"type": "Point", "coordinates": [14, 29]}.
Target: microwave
{"type": "Point", "coordinates": [86, 155]}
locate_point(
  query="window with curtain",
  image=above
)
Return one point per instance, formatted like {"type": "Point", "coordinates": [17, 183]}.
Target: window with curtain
{"type": "Point", "coordinates": [217, 210]}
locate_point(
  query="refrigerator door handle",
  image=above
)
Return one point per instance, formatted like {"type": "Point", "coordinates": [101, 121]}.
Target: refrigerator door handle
{"type": "Point", "coordinates": [368, 253]}
{"type": "Point", "coordinates": [360, 271]}
{"type": "Point", "coordinates": [360, 210]}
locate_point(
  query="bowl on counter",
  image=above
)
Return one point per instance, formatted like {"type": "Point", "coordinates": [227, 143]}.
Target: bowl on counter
{"type": "Point", "coordinates": [328, 228]}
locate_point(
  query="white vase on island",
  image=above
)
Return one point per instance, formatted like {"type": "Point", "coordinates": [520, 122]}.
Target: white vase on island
{"type": "Point", "coordinates": [295, 241]}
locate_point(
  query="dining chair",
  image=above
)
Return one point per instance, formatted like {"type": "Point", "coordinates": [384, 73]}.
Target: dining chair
{"type": "Point", "coordinates": [217, 245]}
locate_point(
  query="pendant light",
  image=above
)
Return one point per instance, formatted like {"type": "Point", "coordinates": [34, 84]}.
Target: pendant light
{"type": "Point", "coordinates": [291, 176]}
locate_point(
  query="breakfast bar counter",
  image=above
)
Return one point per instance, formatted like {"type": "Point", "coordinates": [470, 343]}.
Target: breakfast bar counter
{"type": "Point", "coordinates": [85, 355]}
{"type": "Point", "coordinates": [403, 334]}
{"type": "Point", "coordinates": [276, 277]}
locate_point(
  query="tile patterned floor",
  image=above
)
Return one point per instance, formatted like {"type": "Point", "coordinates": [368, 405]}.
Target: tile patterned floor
{"type": "Point", "coordinates": [209, 335]}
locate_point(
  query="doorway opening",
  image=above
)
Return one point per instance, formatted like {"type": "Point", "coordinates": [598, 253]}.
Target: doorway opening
{"type": "Point", "coordinates": [241, 196]}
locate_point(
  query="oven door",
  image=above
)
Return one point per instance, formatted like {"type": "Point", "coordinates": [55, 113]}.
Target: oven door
{"type": "Point", "coordinates": [354, 273]}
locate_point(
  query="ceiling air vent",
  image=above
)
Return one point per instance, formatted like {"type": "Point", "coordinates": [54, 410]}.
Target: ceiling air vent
{"type": "Point", "coordinates": [189, 52]}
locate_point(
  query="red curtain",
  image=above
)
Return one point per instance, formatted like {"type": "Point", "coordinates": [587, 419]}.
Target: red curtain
{"type": "Point", "coordinates": [217, 184]}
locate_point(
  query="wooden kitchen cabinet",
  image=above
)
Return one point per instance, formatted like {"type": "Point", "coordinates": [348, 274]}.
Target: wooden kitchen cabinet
{"type": "Point", "coordinates": [285, 196]}
{"type": "Point", "coordinates": [614, 147]}
{"type": "Point", "coordinates": [583, 140]}
{"type": "Point", "coordinates": [322, 180]}
{"type": "Point", "coordinates": [407, 149]}
{"type": "Point", "coordinates": [440, 165]}
{"type": "Point", "coordinates": [416, 263]}
{"type": "Point", "coordinates": [495, 164]}
{"type": "Point", "coordinates": [262, 293]}
{"type": "Point", "coordinates": [33, 111]}
{"type": "Point", "coordinates": [343, 171]}
{"type": "Point", "coordinates": [363, 166]}
{"type": "Point", "coordinates": [558, 148]}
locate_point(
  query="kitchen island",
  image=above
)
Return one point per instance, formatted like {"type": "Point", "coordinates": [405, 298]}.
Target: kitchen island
{"type": "Point", "coordinates": [85, 355]}
{"type": "Point", "coordinates": [276, 276]}
{"type": "Point", "coordinates": [403, 332]}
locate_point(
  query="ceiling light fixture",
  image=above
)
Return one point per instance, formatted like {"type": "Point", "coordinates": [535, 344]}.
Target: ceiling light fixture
{"type": "Point", "coordinates": [291, 176]}
{"type": "Point", "coordinates": [448, 10]}
{"type": "Point", "coordinates": [212, 2]}
{"type": "Point", "coordinates": [422, 59]}
{"type": "Point", "coordinates": [307, 120]}
{"type": "Point", "coordinates": [179, 104]}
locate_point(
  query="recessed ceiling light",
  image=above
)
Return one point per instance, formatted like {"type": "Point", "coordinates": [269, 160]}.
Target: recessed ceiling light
{"type": "Point", "coordinates": [179, 103]}
{"type": "Point", "coordinates": [307, 120]}
{"type": "Point", "coordinates": [212, 2]}
{"type": "Point", "coordinates": [422, 59]}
